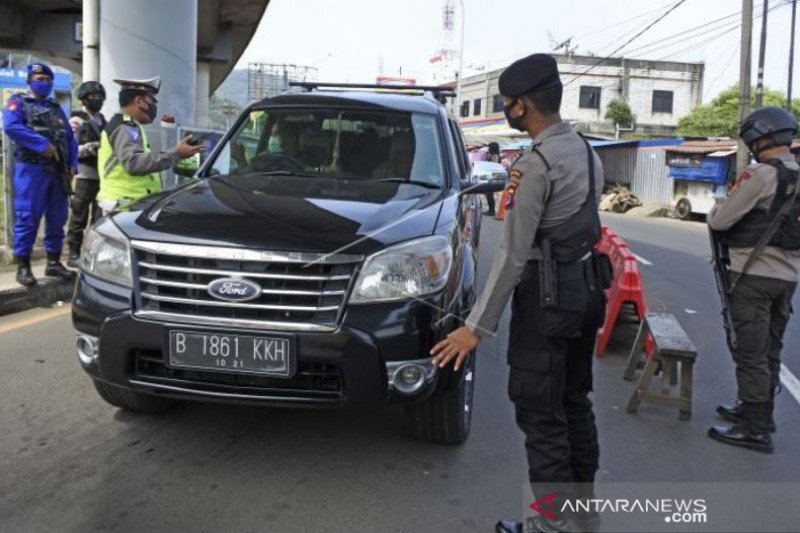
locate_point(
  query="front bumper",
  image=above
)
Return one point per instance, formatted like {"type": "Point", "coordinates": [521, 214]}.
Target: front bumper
{"type": "Point", "coordinates": [357, 363]}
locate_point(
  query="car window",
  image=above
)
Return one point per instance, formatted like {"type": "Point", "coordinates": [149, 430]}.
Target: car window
{"type": "Point", "coordinates": [464, 163]}
{"type": "Point", "coordinates": [359, 145]}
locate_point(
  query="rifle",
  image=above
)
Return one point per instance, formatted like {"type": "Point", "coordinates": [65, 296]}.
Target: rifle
{"type": "Point", "coordinates": [61, 163]}
{"type": "Point", "coordinates": [722, 262]}
{"type": "Point", "coordinates": [63, 169]}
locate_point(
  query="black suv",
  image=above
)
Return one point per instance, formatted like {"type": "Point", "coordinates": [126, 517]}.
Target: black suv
{"type": "Point", "coordinates": [326, 246]}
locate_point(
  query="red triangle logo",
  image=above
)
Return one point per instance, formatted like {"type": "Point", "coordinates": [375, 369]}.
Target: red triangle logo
{"type": "Point", "coordinates": [549, 501]}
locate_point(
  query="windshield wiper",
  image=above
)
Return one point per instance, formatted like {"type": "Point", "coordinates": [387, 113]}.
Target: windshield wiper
{"type": "Point", "coordinates": [426, 184]}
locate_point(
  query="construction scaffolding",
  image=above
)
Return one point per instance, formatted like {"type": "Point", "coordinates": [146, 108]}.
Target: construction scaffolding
{"type": "Point", "coordinates": [265, 80]}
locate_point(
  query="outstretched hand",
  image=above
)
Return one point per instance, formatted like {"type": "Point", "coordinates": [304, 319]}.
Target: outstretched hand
{"type": "Point", "coordinates": [457, 345]}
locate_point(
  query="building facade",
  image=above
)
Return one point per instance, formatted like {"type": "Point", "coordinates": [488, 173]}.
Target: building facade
{"type": "Point", "coordinates": [658, 92]}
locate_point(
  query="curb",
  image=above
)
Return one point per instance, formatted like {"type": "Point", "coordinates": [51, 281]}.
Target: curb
{"type": "Point", "coordinates": [45, 293]}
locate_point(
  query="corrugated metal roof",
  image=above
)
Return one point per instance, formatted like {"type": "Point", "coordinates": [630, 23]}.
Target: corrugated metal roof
{"type": "Point", "coordinates": [613, 144]}
{"type": "Point", "coordinates": [704, 147]}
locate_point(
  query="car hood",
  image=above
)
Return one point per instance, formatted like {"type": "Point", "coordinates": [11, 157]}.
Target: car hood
{"type": "Point", "coordinates": [287, 213]}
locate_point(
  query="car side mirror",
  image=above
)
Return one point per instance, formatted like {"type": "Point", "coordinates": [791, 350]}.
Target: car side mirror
{"type": "Point", "coordinates": [468, 187]}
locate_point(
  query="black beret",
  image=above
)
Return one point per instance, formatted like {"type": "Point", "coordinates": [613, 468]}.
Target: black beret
{"type": "Point", "coordinates": [537, 71]}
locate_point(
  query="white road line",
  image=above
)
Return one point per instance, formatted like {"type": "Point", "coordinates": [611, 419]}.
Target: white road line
{"type": "Point", "coordinates": [790, 382]}
{"type": "Point", "coordinates": [642, 260]}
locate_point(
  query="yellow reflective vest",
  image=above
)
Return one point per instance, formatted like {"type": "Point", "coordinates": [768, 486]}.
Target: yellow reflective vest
{"type": "Point", "coordinates": [122, 137]}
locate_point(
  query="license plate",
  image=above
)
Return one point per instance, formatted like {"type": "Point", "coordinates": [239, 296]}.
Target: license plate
{"type": "Point", "coordinates": [272, 356]}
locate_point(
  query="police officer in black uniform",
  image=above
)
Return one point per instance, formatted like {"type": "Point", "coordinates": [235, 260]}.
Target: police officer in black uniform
{"type": "Point", "coordinates": [87, 182]}
{"type": "Point", "coordinates": [546, 260]}
{"type": "Point", "coordinates": [764, 270]}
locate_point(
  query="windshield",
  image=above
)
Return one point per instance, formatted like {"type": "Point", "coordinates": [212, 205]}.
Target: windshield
{"type": "Point", "coordinates": [358, 145]}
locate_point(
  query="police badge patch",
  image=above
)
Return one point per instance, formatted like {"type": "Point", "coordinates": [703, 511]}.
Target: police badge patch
{"type": "Point", "coordinates": [133, 133]}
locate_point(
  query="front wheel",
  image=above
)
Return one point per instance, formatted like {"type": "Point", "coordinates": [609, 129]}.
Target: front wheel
{"type": "Point", "coordinates": [132, 400]}
{"type": "Point", "coordinates": [684, 209]}
{"type": "Point", "coordinates": [445, 417]}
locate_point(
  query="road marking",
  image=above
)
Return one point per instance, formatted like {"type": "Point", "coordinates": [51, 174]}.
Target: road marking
{"type": "Point", "coordinates": [41, 317]}
{"type": "Point", "coordinates": [790, 382]}
{"type": "Point", "coordinates": [642, 260]}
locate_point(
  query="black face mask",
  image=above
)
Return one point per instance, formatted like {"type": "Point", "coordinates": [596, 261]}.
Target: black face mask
{"type": "Point", "coordinates": [152, 111]}
{"type": "Point", "coordinates": [93, 105]}
{"type": "Point", "coordinates": [514, 122]}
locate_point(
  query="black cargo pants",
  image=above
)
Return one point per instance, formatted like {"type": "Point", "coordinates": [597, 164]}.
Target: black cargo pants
{"type": "Point", "coordinates": [82, 205]}
{"type": "Point", "coordinates": [760, 309]}
{"type": "Point", "coordinates": [550, 353]}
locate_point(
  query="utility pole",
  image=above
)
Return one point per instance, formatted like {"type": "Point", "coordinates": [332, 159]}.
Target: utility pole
{"type": "Point", "coordinates": [743, 155]}
{"type": "Point", "coordinates": [459, 80]}
{"type": "Point", "coordinates": [791, 58]}
{"type": "Point", "coordinates": [762, 49]}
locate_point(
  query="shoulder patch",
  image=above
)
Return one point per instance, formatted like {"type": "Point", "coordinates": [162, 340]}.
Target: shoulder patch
{"type": "Point", "coordinates": [133, 132]}
{"type": "Point", "coordinates": [744, 176]}
{"type": "Point", "coordinates": [511, 192]}
{"type": "Point", "coordinates": [12, 104]}
{"type": "Point", "coordinates": [516, 175]}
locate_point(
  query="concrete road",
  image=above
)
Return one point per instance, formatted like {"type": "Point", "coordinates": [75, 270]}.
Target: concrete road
{"type": "Point", "coordinates": [69, 462]}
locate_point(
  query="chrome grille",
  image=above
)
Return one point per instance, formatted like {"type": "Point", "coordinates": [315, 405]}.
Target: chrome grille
{"type": "Point", "coordinates": [299, 291]}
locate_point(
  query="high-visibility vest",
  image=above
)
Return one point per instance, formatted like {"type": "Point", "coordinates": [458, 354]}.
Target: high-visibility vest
{"type": "Point", "coordinates": [115, 182]}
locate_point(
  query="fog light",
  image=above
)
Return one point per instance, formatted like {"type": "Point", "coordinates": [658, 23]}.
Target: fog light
{"type": "Point", "coordinates": [86, 348]}
{"type": "Point", "coordinates": [409, 378]}
{"type": "Point", "coordinates": [410, 375]}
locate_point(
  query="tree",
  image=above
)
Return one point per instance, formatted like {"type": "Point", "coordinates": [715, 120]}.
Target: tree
{"type": "Point", "coordinates": [222, 112]}
{"type": "Point", "coordinates": [619, 112]}
{"type": "Point", "coordinates": [720, 118]}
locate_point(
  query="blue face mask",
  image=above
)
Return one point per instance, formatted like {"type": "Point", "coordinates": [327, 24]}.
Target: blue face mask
{"type": "Point", "coordinates": [275, 146]}
{"type": "Point", "coordinates": [42, 89]}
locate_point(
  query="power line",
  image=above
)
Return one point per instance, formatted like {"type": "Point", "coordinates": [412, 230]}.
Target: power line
{"type": "Point", "coordinates": [723, 71]}
{"type": "Point", "coordinates": [670, 10]}
{"type": "Point", "coordinates": [706, 39]}
{"type": "Point", "coordinates": [621, 37]}
{"type": "Point", "coordinates": [679, 35]}
{"type": "Point", "coordinates": [620, 23]}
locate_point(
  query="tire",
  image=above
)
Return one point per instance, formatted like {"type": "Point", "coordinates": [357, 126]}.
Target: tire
{"type": "Point", "coordinates": [445, 417]}
{"type": "Point", "coordinates": [683, 209]}
{"type": "Point", "coordinates": [132, 400]}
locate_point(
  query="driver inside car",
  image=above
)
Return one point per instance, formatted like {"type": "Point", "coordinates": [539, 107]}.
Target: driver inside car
{"type": "Point", "coordinates": [401, 158]}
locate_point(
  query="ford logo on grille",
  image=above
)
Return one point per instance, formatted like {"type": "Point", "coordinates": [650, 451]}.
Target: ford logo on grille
{"type": "Point", "coordinates": [234, 289]}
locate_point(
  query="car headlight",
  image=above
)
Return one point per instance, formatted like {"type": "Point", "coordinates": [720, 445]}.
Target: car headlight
{"type": "Point", "coordinates": [106, 254]}
{"type": "Point", "coordinates": [411, 269]}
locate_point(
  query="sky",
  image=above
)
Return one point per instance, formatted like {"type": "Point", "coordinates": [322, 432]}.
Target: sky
{"type": "Point", "coordinates": [348, 40]}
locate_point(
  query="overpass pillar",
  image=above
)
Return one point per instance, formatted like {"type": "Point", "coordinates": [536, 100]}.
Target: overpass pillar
{"type": "Point", "coordinates": [151, 38]}
{"type": "Point", "coordinates": [203, 89]}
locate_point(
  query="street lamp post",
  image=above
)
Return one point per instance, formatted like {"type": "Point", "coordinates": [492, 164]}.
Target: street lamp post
{"type": "Point", "coordinates": [460, 62]}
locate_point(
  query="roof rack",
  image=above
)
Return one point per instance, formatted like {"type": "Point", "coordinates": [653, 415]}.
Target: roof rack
{"type": "Point", "coordinates": [439, 93]}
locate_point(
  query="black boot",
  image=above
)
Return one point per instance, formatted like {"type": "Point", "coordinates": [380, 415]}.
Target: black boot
{"type": "Point", "coordinates": [55, 269]}
{"type": "Point", "coordinates": [733, 413]}
{"type": "Point", "coordinates": [74, 257]}
{"type": "Point", "coordinates": [25, 275]}
{"type": "Point", "coordinates": [752, 433]}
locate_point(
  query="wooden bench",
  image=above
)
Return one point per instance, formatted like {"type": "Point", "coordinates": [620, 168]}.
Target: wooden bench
{"type": "Point", "coordinates": [673, 353]}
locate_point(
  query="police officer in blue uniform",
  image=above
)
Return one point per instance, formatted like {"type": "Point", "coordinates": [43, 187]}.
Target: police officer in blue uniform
{"type": "Point", "coordinates": [46, 158]}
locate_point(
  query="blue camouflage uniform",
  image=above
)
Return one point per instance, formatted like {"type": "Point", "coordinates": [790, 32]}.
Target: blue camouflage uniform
{"type": "Point", "coordinates": [38, 186]}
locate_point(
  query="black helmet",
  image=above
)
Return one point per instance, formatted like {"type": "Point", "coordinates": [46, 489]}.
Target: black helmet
{"type": "Point", "coordinates": [91, 87]}
{"type": "Point", "coordinates": [776, 123]}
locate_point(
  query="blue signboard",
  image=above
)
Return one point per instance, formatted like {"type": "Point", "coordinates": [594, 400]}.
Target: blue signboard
{"type": "Point", "coordinates": [708, 169]}
{"type": "Point", "coordinates": [19, 78]}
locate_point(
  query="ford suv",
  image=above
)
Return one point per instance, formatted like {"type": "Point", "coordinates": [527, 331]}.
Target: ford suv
{"type": "Point", "coordinates": [328, 242]}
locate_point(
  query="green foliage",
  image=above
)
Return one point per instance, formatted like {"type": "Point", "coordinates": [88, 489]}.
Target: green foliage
{"type": "Point", "coordinates": [720, 118]}
{"type": "Point", "coordinates": [619, 112]}
{"type": "Point", "coordinates": [222, 113]}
